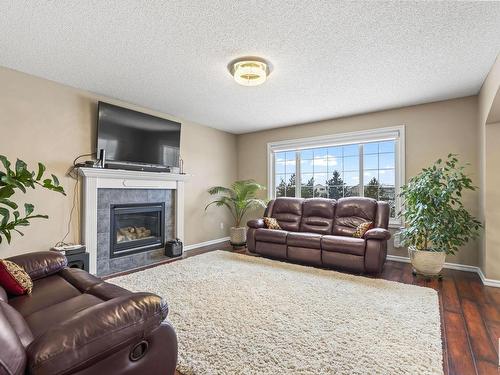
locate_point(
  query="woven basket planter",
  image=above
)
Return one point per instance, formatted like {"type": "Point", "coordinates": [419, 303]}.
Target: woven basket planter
{"type": "Point", "coordinates": [428, 263]}
{"type": "Point", "coordinates": [238, 236]}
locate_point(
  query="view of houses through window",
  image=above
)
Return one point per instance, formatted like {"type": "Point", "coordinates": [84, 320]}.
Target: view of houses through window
{"type": "Point", "coordinates": [363, 169]}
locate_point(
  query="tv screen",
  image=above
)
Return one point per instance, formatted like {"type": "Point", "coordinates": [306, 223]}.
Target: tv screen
{"type": "Point", "coordinates": [133, 137]}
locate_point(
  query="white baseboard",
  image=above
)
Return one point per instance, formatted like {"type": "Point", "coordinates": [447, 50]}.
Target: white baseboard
{"type": "Point", "coordinates": [206, 243]}
{"type": "Point", "coordinates": [455, 266]}
{"type": "Point", "coordinates": [488, 282]}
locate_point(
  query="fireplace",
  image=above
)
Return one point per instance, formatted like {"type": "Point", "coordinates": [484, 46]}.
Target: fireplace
{"type": "Point", "coordinates": [136, 228]}
{"type": "Point", "coordinates": [102, 188]}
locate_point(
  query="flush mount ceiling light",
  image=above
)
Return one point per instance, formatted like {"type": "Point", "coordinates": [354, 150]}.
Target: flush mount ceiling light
{"type": "Point", "coordinates": [249, 71]}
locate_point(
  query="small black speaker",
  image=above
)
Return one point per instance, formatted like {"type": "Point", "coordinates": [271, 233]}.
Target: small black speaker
{"type": "Point", "coordinates": [173, 248]}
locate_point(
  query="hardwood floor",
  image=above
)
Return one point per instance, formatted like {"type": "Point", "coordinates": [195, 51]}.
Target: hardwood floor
{"type": "Point", "coordinates": [470, 318]}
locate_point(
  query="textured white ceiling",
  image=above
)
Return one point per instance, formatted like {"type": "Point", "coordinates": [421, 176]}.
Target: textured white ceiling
{"type": "Point", "coordinates": [330, 58]}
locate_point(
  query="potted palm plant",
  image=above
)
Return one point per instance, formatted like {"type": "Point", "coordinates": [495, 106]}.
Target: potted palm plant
{"type": "Point", "coordinates": [238, 199]}
{"type": "Point", "coordinates": [436, 221]}
{"type": "Point", "coordinates": [20, 178]}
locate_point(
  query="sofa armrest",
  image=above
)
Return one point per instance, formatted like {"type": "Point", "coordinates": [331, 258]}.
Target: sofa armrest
{"type": "Point", "coordinates": [40, 264]}
{"type": "Point", "coordinates": [256, 223]}
{"type": "Point", "coordinates": [95, 333]}
{"type": "Point", "coordinates": [377, 234]}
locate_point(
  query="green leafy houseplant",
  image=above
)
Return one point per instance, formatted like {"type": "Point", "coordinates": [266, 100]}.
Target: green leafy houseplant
{"type": "Point", "coordinates": [20, 178]}
{"type": "Point", "coordinates": [238, 199]}
{"type": "Point", "coordinates": [436, 219]}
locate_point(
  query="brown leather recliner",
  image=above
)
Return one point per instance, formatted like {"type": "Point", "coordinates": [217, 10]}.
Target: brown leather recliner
{"type": "Point", "coordinates": [74, 323]}
{"type": "Point", "coordinates": [319, 232]}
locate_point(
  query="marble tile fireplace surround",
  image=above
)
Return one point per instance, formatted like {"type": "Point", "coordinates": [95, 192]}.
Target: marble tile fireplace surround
{"type": "Point", "coordinates": [127, 215]}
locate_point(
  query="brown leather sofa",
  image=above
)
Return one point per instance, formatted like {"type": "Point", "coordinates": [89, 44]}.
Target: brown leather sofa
{"type": "Point", "coordinates": [74, 323]}
{"type": "Point", "coordinates": [319, 232]}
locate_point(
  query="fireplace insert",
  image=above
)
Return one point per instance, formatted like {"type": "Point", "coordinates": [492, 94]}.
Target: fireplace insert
{"type": "Point", "coordinates": [136, 228]}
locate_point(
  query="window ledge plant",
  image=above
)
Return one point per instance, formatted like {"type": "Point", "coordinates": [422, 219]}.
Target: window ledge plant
{"type": "Point", "coordinates": [436, 221]}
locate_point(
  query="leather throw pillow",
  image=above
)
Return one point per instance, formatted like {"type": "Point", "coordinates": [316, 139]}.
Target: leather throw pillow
{"type": "Point", "coordinates": [14, 278]}
{"type": "Point", "coordinates": [362, 228]}
{"type": "Point", "coordinates": [271, 223]}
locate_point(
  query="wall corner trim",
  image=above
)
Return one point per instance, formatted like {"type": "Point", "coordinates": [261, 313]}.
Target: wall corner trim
{"type": "Point", "coordinates": [455, 266]}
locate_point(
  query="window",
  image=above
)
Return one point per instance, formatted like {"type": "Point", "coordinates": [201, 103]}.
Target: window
{"type": "Point", "coordinates": [285, 174]}
{"type": "Point", "coordinates": [369, 164]}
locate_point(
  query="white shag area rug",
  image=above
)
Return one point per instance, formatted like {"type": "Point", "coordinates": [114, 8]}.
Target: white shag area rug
{"type": "Point", "coordinates": [237, 314]}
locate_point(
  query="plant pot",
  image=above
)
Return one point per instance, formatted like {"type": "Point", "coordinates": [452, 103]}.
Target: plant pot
{"type": "Point", "coordinates": [238, 236]}
{"type": "Point", "coordinates": [427, 263]}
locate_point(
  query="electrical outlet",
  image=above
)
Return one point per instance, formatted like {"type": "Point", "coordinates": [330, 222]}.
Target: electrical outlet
{"type": "Point", "coordinates": [221, 225]}
{"type": "Point", "coordinates": [397, 239]}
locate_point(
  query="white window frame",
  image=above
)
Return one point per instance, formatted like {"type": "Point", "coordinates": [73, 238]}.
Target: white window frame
{"type": "Point", "coordinates": [393, 133]}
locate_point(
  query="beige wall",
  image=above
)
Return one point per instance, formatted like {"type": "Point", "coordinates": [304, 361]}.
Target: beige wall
{"type": "Point", "coordinates": [48, 122]}
{"type": "Point", "coordinates": [432, 131]}
{"type": "Point", "coordinates": [45, 121]}
{"type": "Point", "coordinates": [491, 254]}
{"type": "Point", "coordinates": [489, 157]}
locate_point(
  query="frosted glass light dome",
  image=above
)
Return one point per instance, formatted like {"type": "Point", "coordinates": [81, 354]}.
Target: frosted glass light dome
{"type": "Point", "coordinates": [250, 72]}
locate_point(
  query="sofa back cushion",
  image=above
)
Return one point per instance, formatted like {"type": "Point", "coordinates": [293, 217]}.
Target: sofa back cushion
{"type": "Point", "coordinates": [352, 211]}
{"type": "Point", "coordinates": [288, 212]}
{"type": "Point", "coordinates": [318, 215]}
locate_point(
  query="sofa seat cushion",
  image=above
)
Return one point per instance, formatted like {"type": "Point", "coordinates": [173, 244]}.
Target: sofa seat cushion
{"type": "Point", "coordinates": [343, 261]}
{"type": "Point", "coordinates": [274, 250]}
{"type": "Point", "coordinates": [42, 320]}
{"type": "Point", "coordinates": [304, 255]}
{"type": "Point", "coordinates": [303, 239]}
{"type": "Point", "coordinates": [271, 235]}
{"type": "Point", "coordinates": [46, 292]}
{"type": "Point", "coordinates": [341, 244]}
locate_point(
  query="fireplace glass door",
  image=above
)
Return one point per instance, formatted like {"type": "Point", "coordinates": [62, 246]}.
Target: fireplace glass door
{"type": "Point", "coordinates": [136, 227]}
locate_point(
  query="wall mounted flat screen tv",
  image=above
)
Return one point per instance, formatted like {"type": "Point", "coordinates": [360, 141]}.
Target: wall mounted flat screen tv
{"type": "Point", "coordinates": [131, 137]}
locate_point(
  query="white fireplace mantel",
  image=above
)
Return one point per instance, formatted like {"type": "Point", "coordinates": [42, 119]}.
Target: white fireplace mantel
{"type": "Point", "coordinates": [101, 178]}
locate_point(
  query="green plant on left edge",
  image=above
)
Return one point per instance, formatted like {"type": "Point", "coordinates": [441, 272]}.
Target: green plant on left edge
{"type": "Point", "coordinates": [20, 178]}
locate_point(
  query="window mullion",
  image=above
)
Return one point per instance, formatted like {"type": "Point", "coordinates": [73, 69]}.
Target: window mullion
{"type": "Point", "coordinates": [273, 174]}
{"type": "Point", "coordinates": [361, 172]}
{"type": "Point", "coordinates": [298, 177]}
{"type": "Point", "coordinates": [397, 175]}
